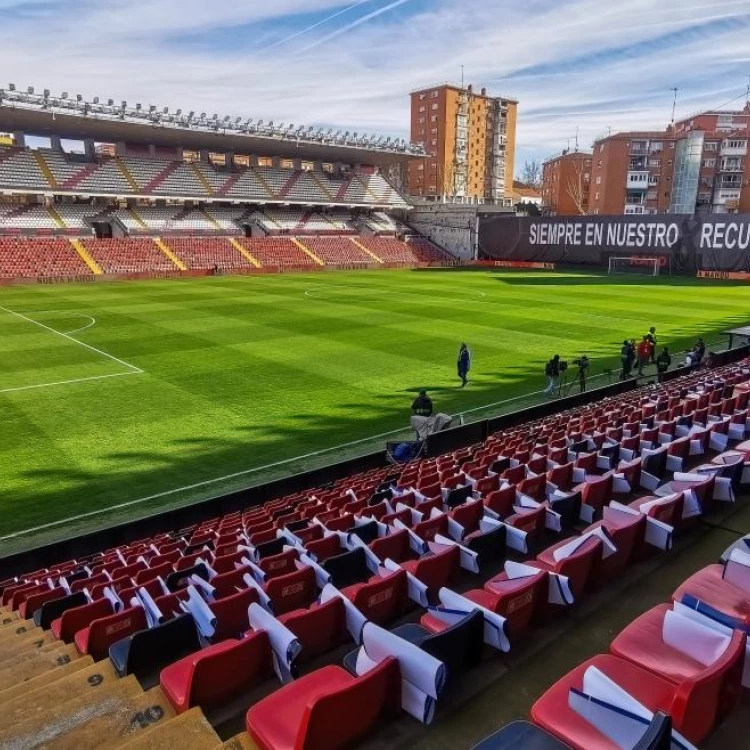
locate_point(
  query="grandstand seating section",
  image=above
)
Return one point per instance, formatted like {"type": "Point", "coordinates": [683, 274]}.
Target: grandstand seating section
{"type": "Point", "coordinates": [42, 257]}
{"type": "Point", "coordinates": [48, 170]}
{"type": "Point", "coordinates": [339, 251]}
{"type": "Point", "coordinates": [554, 464]}
{"type": "Point", "coordinates": [128, 255]}
{"type": "Point", "coordinates": [207, 252]}
{"type": "Point", "coordinates": [277, 252]}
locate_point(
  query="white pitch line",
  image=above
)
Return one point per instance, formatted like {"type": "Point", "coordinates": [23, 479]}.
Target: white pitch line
{"type": "Point", "coordinates": [310, 292]}
{"type": "Point", "coordinates": [88, 325]}
{"type": "Point", "coordinates": [75, 341]}
{"type": "Point", "coordinates": [66, 382]}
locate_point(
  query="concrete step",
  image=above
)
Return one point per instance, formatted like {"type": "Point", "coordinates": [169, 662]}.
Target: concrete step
{"type": "Point", "coordinates": [240, 741]}
{"type": "Point", "coordinates": [189, 731]}
{"type": "Point", "coordinates": [46, 678]}
{"type": "Point", "coordinates": [32, 663]}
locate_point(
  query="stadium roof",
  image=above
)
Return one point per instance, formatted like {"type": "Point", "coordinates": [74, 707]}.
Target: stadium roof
{"type": "Point", "coordinates": [75, 119]}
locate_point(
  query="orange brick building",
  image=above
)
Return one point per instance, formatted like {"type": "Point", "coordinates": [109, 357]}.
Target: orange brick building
{"type": "Point", "coordinates": [566, 181]}
{"type": "Point", "coordinates": [470, 139]}
{"type": "Point", "coordinates": [697, 165]}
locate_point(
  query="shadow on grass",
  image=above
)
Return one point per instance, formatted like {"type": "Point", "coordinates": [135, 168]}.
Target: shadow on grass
{"type": "Point", "coordinates": [61, 492]}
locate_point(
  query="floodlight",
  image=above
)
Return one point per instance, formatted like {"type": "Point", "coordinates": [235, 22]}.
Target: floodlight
{"type": "Point", "coordinates": [215, 116]}
{"type": "Point", "coordinates": [166, 110]}
{"type": "Point", "coordinates": [96, 100]}
{"type": "Point", "coordinates": [110, 102]}
{"type": "Point", "coordinates": [138, 107]}
{"type": "Point", "coordinates": [30, 90]}
{"type": "Point", "coordinates": [11, 87]}
{"type": "Point", "coordinates": [124, 104]}
{"type": "Point", "coordinates": [64, 94]}
{"type": "Point", "coordinates": [46, 93]}
{"type": "Point", "coordinates": [226, 118]}
{"type": "Point", "coordinates": [179, 112]}
{"type": "Point", "coordinates": [79, 97]}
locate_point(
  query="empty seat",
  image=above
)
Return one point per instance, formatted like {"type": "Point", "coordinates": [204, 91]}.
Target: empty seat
{"type": "Point", "coordinates": [326, 709]}
{"type": "Point", "coordinates": [292, 591]}
{"type": "Point", "coordinates": [100, 634]}
{"type": "Point", "coordinates": [319, 628]}
{"type": "Point", "coordinates": [381, 599]}
{"type": "Point", "coordinates": [217, 674]}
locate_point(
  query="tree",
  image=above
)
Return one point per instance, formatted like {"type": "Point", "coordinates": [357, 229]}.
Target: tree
{"type": "Point", "coordinates": [577, 188]}
{"type": "Point", "coordinates": [527, 209]}
{"type": "Point", "coordinates": [531, 174]}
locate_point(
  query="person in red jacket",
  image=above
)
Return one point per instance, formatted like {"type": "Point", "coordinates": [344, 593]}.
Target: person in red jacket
{"type": "Point", "coordinates": [644, 354]}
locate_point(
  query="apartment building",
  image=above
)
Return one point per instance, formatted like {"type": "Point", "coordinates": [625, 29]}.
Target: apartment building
{"type": "Point", "coordinates": [699, 164]}
{"type": "Point", "coordinates": [470, 139]}
{"type": "Point", "coordinates": [566, 184]}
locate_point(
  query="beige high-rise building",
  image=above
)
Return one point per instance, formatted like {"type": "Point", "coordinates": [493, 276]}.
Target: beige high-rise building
{"type": "Point", "coordinates": [470, 139]}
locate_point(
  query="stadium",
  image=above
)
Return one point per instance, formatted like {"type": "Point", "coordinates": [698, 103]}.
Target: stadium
{"type": "Point", "coordinates": [218, 526]}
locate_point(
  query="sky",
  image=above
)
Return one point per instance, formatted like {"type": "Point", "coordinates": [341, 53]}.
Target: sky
{"type": "Point", "coordinates": [575, 66]}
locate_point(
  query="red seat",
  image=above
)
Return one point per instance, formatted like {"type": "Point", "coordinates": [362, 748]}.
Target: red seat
{"type": "Point", "coordinates": [501, 501]}
{"type": "Point", "coordinates": [596, 492]}
{"type": "Point", "coordinates": [381, 599]}
{"type": "Point", "coordinates": [231, 614]}
{"type": "Point", "coordinates": [322, 549]}
{"type": "Point", "coordinates": [669, 510]}
{"type": "Point", "coordinates": [561, 476]}
{"type": "Point", "coordinates": [230, 582]}
{"type": "Point", "coordinates": [217, 674]}
{"type": "Point", "coordinates": [435, 570]}
{"type": "Point", "coordinates": [708, 692]}
{"type": "Point", "coordinates": [627, 533]}
{"type": "Point", "coordinates": [429, 529]}
{"type": "Point", "coordinates": [151, 574]}
{"type": "Point", "coordinates": [394, 546]}
{"type": "Point", "coordinates": [552, 712]}
{"type": "Point", "coordinates": [578, 566]}
{"type": "Point", "coordinates": [71, 621]}
{"type": "Point", "coordinates": [96, 639]}
{"type": "Point", "coordinates": [34, 601]}
{"type": "Point", "coordinates": [318, 629]}
{"type": "Point", "coordinates": [325, 710]}
{"type": "Point", "coordinates": [534, 487]}
{"type": "Point", "coordinates": [292, 591]}
{"type": "Point", "coordinates": [279, 565]}
{"type": "Point", "coordinates": [709, 586]}
{"type": "Point", "coordinates": [517, 599]}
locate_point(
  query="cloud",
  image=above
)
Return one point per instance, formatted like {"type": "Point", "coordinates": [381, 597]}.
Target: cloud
{"type": "Point", "coordinates": [573, 64]}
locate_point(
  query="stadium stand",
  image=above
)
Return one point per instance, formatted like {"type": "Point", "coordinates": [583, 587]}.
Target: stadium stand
{"type": "Point", "coordinates": [207, 252]}
{"type": "Point", "coordinates": [337, 251]}
{"type": "Point", "coordinates": [683, 659]}
{"type": "Point", "coordinates": [21, 257]}
{"type": "Point", "coordinates": [278, 252]}
{"type": "Point", "coordinates": [128, 255]}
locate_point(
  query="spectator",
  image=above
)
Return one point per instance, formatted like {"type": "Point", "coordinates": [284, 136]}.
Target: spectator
{"type": "Point", "coordinates": [651, 336]}
{"type": "Point", "coordinates": [552, 371]}
{"type": "Point", "coordinates": [627, 357]}
{"type": "Point", "coordinates": [699, 349]}
{"type": "Point", "coordinates": [464, 364]}
{"type": "Point", "coordinates": [663, 361]}
{"type": "Point", "coordinates": [422, 405]}
{"type": "Point", "coordinates": [644, 354]}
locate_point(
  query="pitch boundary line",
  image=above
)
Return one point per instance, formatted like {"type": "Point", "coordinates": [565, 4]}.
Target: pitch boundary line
{"type": "Point", "coordinates": [244, 472]}
{"type": "Point", "coordinates": [132, 368]}
{"type": "Point", "coordinates": [66, 382]}
{"type": "Point", "coordinates": [310, 292]}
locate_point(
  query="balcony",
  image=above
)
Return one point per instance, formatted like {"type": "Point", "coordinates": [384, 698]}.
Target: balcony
{"type": "Point", "coordinates": [731, 165]}
{"type": "Point", "coordinates": [734, 148]}
{"type": "Point", "coordinates": [631, 208]}
{"type": "Point", "coordinates": [653, 179]}
{"type": "Point", "coordinates": [639, 149]}
{"type": "Point", "coordinates": [637, 180]}
{"type": "Point", "coordinates": [724, 197]}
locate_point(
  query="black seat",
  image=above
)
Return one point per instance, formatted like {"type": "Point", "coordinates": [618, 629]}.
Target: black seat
{"type": "Point", "coordinates": [488, 546]}
{"type": "Point", "coordinates": [521, 735]}
{"type": "Point", "coordinates": [459, 496]}
{"type": "Point", "coordinates": [179, 579]}
{"type": "Point", "coordinates": [347, 568]}
{"type": "Point", "coordinates": [569, 508]}
{"type": "Point", "coordinates": [274, 547]}
{"type": "Point", "coordinates": [297, 525]}
{"type": "Point", "coordinates": [147, 652]}
{"type": "Point", "coordinates": [50, 611]}
{"type": "Point", "coordinates": [500, 465]}
{"type": "Point", "coordinates": [656, 463]}
{"type": "Point", "coordinates": [658, 735]}
{"type": "Point", "coordinates": [367, 532]}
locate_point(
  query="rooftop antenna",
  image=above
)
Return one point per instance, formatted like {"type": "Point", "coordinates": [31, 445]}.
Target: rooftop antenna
{"type": "Point", "coordinates": [462, 76]}
{"type": "Point", "coordinates": [576, 138]}
{"type": "Point", "coordinates": [674, 102]}
{"type": "Point", "coordinates": [747, 93]}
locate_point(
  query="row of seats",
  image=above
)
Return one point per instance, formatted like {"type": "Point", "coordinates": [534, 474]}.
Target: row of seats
{"type": "Point", "coordinates": [49, 169]}
{"type": "Point", "coordinates": [365, 549]}
{"type": "Point", "coordinates": [24, 257]}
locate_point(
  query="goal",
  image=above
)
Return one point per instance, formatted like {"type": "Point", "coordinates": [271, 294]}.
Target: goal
{"type": "Point", "coordinates": [637, 265]}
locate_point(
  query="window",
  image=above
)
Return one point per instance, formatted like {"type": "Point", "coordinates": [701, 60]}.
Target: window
{"type": "Point", "coordinates": [434, 141]}
{"type": "Point", "coordinates": [422, 109]}
{"type": "Point", "coordinates": [598, 180]}
{"type": "Point", "coordinates": [434, 106]}
{"type": "Point", "coordinates": [421, 97]}
{"type": "Point", "coordinates": [434, 94]}
{"type": "Point", "coordinates": [599, 163]}
{"type": "Point", "coordinates": [420, 167]}
{"type": "Point", "coordinates": [736, 144]}
{"type": "Point", "coordinates": [711, 146]}
{"type": "Point", "coordinates": [421, 120]}
{"type": "Point", "coordinates": [596, 196]}
{"type": "Point", "coordinates": [708, 163]}
{"type": "Point", "coordinates": [433, 118]}
{"type": "Point", "coordinates": [587, 163]}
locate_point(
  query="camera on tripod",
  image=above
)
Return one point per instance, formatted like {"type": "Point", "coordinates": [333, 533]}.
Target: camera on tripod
{"type": "Point", "coordinates": [562, 365]}
{"type": "Point", "coordinates": [582, 363]}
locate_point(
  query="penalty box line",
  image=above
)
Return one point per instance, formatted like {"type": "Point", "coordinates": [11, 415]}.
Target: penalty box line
{"type": "Point", "coordinates": [132, 369]}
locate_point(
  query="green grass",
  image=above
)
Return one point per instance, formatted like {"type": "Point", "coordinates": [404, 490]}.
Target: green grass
{"type": "Point", "coordinates": [241, 372]}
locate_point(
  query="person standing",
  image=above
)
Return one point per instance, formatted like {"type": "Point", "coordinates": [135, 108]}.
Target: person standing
{"type": "Point", "coordinates": [464, 364]}
{"type": "Point", "coordinates": [651, 337]}
{"type": "Point", "coordinates": [552, 371]}
{"type": "Point", "coordinates": [644, 354]}
{"type": "Point", "coordinates": [627, 357]}
{"type": "Point", "coordinates": [663, 361]}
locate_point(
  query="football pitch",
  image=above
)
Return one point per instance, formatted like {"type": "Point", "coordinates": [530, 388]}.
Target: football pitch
{"type": "Point", "coordinates": [136, 396]}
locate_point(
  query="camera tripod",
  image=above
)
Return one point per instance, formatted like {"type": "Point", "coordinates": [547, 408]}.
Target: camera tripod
{"type": "Point", "coordinates": [565, 385]}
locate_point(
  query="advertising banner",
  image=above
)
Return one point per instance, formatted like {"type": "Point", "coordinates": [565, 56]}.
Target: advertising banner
{"type": "Point", "coordinates": [686, 243]}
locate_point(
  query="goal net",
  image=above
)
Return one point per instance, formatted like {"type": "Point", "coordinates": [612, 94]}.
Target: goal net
{"type": "Point", "coordinates": [637, 265]}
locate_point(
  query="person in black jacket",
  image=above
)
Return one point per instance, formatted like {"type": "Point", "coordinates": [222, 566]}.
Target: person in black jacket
{"type": "Point", "coordinates": [663, 361]}
{"type": "Point", "coordinates": [422, 405]}
{"type": "Point", "coordinates": [627, 357]}
{"type": "Point", "coordinates": [552, 371]}
{"type": "Point", "coordinates": [464, 364]}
